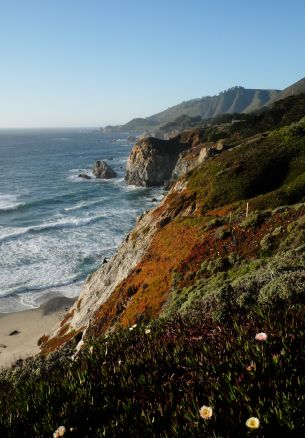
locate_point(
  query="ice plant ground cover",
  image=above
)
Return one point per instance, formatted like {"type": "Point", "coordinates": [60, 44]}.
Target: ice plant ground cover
{"type": "Point", "coordinates": [131, 384]}
{"type": "Point", "coordinates": [227, 356]}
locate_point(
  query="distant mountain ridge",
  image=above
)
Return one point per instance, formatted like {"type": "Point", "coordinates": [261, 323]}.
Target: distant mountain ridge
{"type": "Point", "coordinates": [233, 100]}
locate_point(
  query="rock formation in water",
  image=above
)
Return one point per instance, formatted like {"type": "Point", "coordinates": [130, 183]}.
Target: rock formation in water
{"type": "Point", "coordinates": [103, 171]}
{"type": "Point", "coordinates": [84, 175]}
{"type": "Point", "coordinates": [200, 219]}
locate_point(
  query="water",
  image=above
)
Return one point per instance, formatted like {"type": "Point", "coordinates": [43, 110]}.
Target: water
{"type": "Point", "coordinates": [56, 228]}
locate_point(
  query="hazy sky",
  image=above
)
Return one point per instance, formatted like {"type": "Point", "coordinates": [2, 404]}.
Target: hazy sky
{"type": "Point", "coordinates": [95, 62]}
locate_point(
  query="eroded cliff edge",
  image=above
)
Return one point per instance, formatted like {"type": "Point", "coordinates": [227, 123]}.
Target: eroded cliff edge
{"type": "Point", "coordinates": [198, 244]}
{"type": "Point", "coordinates": [102, 283]}
{"type": "Point", "coordinates": [152, 161]}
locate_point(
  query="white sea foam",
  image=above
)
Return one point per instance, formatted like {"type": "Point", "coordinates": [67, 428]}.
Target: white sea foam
{"type": "Point", "coordinates": [9, 202]}
{"type": "Point", "coordinates": [64, 231]}
{"type": "Point", "coordinates": [75, 178]}
{"type": "Point", "coordinates": [7, 233]}
{"type": "Point", "coordinates": [50, 261]}
{"type": "Point", "coordinates": [33, 300]}
{"type": "Point", "coordinates": [84, 204]}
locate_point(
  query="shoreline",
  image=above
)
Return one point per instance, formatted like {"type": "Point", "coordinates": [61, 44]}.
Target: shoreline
{"type": "Point", "coordinates": [20, 331]}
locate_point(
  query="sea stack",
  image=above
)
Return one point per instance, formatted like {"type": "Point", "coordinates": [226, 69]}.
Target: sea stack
{"type": "Point", "coordinates": [103, 171]}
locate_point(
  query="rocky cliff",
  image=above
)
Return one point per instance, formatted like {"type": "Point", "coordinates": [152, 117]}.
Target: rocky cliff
{"type": "Point", "coordinates": [200, 238]}
{"type": "Point", "coordinates": [152, 161]}
{"type": "Point", "coordinates": [221, 260]}
{"type": "Point", "coordinates": [102, 283]}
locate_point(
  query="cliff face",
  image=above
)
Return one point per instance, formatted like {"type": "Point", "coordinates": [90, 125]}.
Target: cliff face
{"type": "Point", "coordinates": [152, 161]}
{"type": "Point", "coordinates": [220, 259]}
{"type": "Point", "coordinates": [183, 250]}
{"type": "Point", "coordinates": [101, 284]}
{"type": "Point", "coordinates": [195, 156]}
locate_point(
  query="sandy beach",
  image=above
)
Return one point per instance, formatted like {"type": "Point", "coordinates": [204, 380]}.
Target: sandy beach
{"type": "Point", "coordinates": [20, 331]}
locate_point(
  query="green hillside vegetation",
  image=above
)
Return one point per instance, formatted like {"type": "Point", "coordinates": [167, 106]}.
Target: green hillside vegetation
{"type": "Point", "coordinates": [233, 100]}
{"type": "Point", "coordinates": [185, 337]}
{"type": "Point", "coordinates": [271, 166]}
{"type": "Point", "coordinates": [137, 383]}
{"type": "Point", "coordinates": [239, 125]}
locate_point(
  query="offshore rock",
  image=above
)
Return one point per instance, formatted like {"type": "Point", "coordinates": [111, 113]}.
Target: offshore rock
{"type": "Point", "coordinates": [84, 175]}
{"type": "Point", "coordinates": [102, 170]}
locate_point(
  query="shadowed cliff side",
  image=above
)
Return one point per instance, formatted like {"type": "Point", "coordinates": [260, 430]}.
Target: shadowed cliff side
{"type": "Point", "coordinates": [152, 160]}
{"type": "Point", "coordinates": [198, 239]}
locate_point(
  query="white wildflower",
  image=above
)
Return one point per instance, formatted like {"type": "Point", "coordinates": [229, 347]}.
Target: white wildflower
{"type": "Point", "coordinates": [206, 412]}
{"type": "Point", "coordinates": [252, 423]}
{"type": "Point", "coordinates": [261, 337]}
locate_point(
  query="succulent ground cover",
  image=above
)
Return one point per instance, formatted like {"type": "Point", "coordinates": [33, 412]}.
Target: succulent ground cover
{"type": "Point", "coordinates": [206, 336]}
{"type": "Point", "coordinates": [153, 381]}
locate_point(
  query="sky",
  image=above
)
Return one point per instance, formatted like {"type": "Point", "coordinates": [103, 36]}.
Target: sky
{"type": "Point", "coordinates": [70, 63]}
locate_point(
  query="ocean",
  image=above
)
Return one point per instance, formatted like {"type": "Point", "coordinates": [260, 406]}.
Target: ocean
{"type": "Point", "coordinates": [56, 228]}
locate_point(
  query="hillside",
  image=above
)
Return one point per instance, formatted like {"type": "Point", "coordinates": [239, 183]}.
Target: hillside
{"type": "Point", "coordinates": [195, 112]}
{"type": "Point", "coordinates": [266, 170]}
{"type": "Point", "coordinates": [293, 90]}
{"type": "Point", "coordinates": [234, 100]}
{"type": "Point", "coordinates": [155, 161]}
{"type": "Point", "coordinates": [169, 324]}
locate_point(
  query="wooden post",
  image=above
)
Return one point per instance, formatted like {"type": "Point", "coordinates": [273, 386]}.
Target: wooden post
{"type": "Point", "coordinates": [247, 209]}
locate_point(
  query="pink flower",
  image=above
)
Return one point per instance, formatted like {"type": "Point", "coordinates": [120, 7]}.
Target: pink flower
{"type": "Point", "coordinates": [261, 337]}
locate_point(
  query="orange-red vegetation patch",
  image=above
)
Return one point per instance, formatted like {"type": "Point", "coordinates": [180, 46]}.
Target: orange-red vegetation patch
{"type": "Point", "coordinates": [145, 290]}
{"type": "Point", "coordinates": [67, 317]}
{"type": "Point", "coordinates": [55, 343]}
{"type": "Point", "coordinates": [64, 329]}
{"type": "Point", "coordinates": [42, 340]}
{"type": "Point", "coordinates": [175, 203]}
{"type": "Point", "coordinates": [176, 253]}
{"type": "Point", "coordinates": [244, 242]}
{"type": "Point", "coordinates": [223, 211]}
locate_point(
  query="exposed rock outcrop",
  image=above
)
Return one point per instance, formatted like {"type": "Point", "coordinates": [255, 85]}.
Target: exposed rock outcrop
{"type": "Point", "coordinates": [191, 158]}
{"type": "Point", "coordinates": [152, 160]}
{"type": "Point", "coordinates": [100, 284]}
{"type": "Point", "coordinates": [84, 175]}
{"type": "Point", "coordinates": [102, 170]}
{"type": "Point", "coordinates": [156, 162]}
{"type": "Point", "coordinates": [137, 281]}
